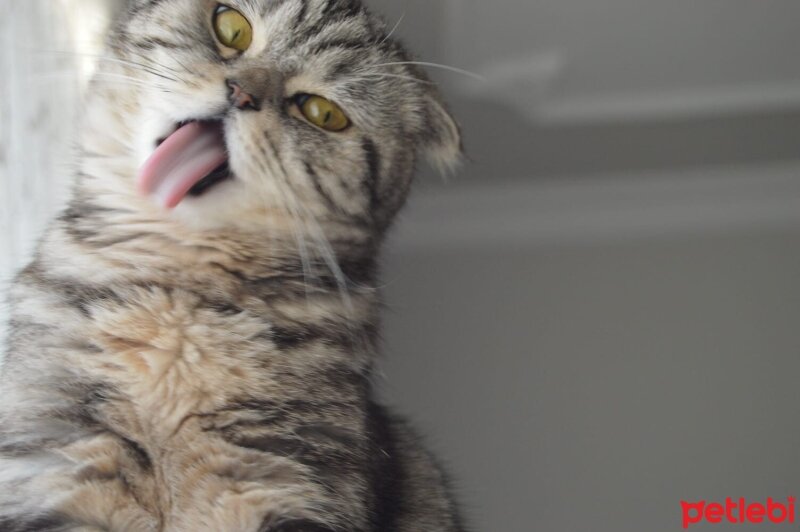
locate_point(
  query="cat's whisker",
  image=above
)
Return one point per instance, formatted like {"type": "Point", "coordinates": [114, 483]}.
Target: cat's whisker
{"type": "Point", "coordinates": [310, 223]}
{"type": "Point", "coordinates": [185, 68]}
{"type": "Point", "coordinates": [306, 222]}
{"type": "Point", "coordinates": [329, 256]}
{"type": "Point", "coordinates": [303, 247]}
{"type": "Point", "coordinates": [53, 74]}
{"type": "Point", "coordinates": [115, 80]}
{"type": "Point", "coordinates": [268, 168]}
{"type": "Point", "coordinates": [149, 60]}
{"type": "Point", "coordinates": [129, 83]}
{"type": "Point", "coordinates": [100, 58]}
{"type": "Point", "coordinates": [112, 75]}
{"type": "Point", "coordinates": [133, 82]}
{"type": "Point", "coordinates": [176, 75]}
{"type": "Point", "coordinates": [440, 66]}
{"type": "Point", "coordinates": [145, 68]}
{"type": "Point", "coordinates": [378, 75]}
{"type": "Point", "coordinates": [290, 201]}
{"type": "Point", "coordinates": [394, 29]}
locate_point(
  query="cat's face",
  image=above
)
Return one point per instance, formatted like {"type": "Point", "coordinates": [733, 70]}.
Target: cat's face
{"type": "Point", "coordinates": [305, 107]}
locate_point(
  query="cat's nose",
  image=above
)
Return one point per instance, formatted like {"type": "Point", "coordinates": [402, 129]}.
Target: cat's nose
{"type": "Point", "coordinates": [240, 98]}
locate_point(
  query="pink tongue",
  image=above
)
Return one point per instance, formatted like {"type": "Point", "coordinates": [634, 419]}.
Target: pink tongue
{"type": "Point", "coordinates": [182, 161]}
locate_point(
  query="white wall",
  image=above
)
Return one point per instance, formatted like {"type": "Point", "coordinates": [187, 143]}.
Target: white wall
{"type": "Point", "coordinates": [46, 53]}
{"type": "Point", "coordinates": [39, 91]}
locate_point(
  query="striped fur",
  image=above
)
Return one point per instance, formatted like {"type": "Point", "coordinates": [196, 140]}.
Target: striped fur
{"type": "Point", "coordinates": [209, 368]}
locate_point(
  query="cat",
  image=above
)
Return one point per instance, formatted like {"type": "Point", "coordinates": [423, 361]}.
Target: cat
{"type": "Point", "coordinates": [191, 347]}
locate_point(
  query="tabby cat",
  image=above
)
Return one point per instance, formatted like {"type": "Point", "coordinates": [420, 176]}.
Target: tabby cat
{"type": "Point", "coordinates": [191, 346]}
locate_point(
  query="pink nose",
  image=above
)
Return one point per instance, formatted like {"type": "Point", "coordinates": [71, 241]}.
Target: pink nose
{"type": "Point", "coordinates": [240, 98]}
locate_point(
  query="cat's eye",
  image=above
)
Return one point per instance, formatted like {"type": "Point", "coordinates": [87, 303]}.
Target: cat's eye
{"type": "Point", "coordinates": [322, 112]}
{"type": "Point", "coordinates": [232, 28]}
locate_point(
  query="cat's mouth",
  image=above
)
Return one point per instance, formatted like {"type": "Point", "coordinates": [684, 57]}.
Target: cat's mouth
{"type": "Point", "coordinates": [190, 161]}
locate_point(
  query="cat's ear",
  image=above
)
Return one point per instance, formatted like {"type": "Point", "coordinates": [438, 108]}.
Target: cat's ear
{"type": "Point", "coordinates": [442, 143]}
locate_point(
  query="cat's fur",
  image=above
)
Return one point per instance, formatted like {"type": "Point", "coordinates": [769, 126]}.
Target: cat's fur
{"type": "Point", "coordinates": [208, 369]}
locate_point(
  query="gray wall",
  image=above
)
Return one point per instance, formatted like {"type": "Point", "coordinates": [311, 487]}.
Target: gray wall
{"type": "Point", "coordinates": [590, 384]}
{"type": "Point", "coordinates": [585, 388]}
{"type": "Point", "coordinates": [586, 87]}
{"type": "Point", "coordinates": [598, 317]}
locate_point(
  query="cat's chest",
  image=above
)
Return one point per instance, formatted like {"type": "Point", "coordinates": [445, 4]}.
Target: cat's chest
{"type": "Point", "coordinates": [168, 355]}
{"type": "Point", "coordinates": [206, 406]}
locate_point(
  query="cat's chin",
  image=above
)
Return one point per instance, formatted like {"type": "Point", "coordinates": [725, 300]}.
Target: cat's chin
{"type": "Point", "coordinates": [228, 206]}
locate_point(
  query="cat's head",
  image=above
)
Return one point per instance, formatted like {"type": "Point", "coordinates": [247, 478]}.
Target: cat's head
{"type": "Point", "coordinates": [230, 112]}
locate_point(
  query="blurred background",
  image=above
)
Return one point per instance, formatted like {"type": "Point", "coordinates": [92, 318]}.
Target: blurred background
{"type": "Point", "coordinates": [598, 317]}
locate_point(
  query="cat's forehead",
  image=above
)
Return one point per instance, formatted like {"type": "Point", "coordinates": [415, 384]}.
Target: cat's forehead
{"type": "Point", "coordinates": [306, 20]}
{"type": "Point", "coordinates": [293, 20]}
{"type": "Point", "coordinates": [330, 35]}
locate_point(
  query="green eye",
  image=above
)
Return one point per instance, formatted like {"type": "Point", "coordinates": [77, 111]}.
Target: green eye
{"type": "Point", "coordinates": [232, 29]}
{"type": "Point", "coordinates": [322, 113]}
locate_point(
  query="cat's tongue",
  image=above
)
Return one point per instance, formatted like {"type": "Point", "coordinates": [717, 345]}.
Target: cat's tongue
{"type": "Point", "coordinates": [182, 161]}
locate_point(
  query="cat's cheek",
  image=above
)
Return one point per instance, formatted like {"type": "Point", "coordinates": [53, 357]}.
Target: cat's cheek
{"type": "Point", "coordinates": [152, 127]}
{"type": "Point", "coordinates": [254, 157]}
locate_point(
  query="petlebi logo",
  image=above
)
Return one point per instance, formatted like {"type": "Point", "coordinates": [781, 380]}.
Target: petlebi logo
{"type": "Point", "coordinates": [739, 511]}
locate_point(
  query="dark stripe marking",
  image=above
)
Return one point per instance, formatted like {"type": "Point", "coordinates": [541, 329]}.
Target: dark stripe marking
{"type": "Point", "coordinates": [371, 179]}
{"type": "Point", "coordinates": [41, 523]}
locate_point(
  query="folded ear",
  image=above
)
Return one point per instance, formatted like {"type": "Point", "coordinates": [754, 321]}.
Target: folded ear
{"type": "Point", "coordinates": [442, 144]}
